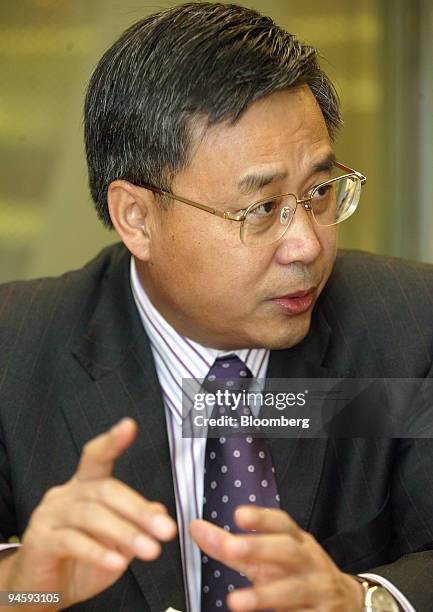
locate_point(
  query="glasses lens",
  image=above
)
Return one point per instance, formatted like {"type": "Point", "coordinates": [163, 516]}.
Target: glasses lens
{"type": "Point", "coordinates": [267, 220]}
{"type": "Point", "coordinates": [336, 200]}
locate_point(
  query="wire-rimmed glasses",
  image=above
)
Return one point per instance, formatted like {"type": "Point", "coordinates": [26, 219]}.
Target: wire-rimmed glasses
{"type": "Point", "coordinates": [267, 220]}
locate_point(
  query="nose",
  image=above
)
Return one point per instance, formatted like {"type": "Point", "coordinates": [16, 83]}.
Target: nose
{"type": "Point", "coordinates": [300, 243]}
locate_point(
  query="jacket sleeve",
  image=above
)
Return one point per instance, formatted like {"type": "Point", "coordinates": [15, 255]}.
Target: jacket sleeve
{"type": "Point", "coordinates": [8, 526]}
{"type": "Point", "coordinates": [412, 572]}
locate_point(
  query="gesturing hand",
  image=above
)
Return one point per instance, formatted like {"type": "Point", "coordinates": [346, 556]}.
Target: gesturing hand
{"type": "Point", "coordinates": [84, 533]}
{"type": "Point", "coordinates": [288, 569]}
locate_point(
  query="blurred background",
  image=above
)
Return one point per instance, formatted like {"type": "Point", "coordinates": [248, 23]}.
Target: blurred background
{"type": "Point", "coordinates": [378, 52]}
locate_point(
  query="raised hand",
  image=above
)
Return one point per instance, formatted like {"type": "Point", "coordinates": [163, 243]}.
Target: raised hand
{"type": "Point", "coordinates": [288, 568]}
{"type": "Point", "coordinates": [84, 533]}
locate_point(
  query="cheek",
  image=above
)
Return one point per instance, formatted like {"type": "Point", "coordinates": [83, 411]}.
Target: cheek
{"type": "Point", "coordinates": [334, 239]}
{"type": "Point", "coordinates": [204, 246]}
{"type": "Point", "coordinates": [328, 241]}
{"type": "Point", "coordinates": [204, 262]}
{"type": "Point", "coordinates": [187, 259]}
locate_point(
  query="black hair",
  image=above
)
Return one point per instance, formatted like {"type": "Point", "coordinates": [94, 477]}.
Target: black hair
{"type": "Point", "coordinates": [196, 60]}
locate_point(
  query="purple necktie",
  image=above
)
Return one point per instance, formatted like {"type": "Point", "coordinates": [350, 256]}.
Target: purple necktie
{"type": "Point", "coordinates": [238, 470]}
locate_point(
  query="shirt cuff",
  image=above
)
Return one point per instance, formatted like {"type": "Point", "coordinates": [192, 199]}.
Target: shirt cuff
{"type": "Point", "coordinates": [400, 598]}
{"type": "Point", "coordinates": [6, 546]}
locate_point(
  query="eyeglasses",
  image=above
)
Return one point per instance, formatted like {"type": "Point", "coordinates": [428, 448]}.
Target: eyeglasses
{"type": "Point", "coordinates": [267, 220]}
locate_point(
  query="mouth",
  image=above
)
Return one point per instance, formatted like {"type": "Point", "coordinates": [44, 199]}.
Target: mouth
{"type": "Point", "coordinates": [297, 302]}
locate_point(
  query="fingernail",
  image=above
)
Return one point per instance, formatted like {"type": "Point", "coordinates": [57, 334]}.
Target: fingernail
{"type": "Point", "coordinates": [145, 546]}
{"type": "Point", "coordinates": [114, 560]}
{"type": "Point", "coordinates": [162, 526]}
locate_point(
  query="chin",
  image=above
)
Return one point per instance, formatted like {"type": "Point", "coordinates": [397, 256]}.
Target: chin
{"type": "Point", "coordinates": [280, 338]}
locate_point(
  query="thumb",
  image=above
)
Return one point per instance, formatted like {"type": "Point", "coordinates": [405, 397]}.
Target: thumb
{"type": "Point", "coordinates": [99, 454]}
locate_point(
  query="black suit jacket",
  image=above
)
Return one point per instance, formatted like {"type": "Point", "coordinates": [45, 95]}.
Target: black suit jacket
{"type": "Point", "coordinates": [74, 359]}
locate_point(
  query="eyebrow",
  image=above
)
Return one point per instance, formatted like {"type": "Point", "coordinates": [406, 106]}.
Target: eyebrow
{"type": "Point", "coordinates": [255, 181]}
{"type": "Point", "coordinates": [326, 164]}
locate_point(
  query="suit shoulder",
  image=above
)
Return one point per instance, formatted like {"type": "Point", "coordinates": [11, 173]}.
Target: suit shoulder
{"type": "Point", "coordinates": [383, 266]}
{"type": "Point", "coordinates": [402, 287]}
{"type": "Point", "coordinates": [29, 310]}
{"type": "Point", "coordinates": [18, 296]}
{"type": "Point", "coordinates": [382, 305]}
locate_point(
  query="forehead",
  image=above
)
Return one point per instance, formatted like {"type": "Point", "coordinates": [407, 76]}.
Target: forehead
{"type": "Point", "coordinates": [283, 132]}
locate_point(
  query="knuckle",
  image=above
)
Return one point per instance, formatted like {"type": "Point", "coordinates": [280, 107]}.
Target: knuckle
{"type": "Point", "coordinates": [106, 488]}
{"type": "Point", "coordinates": [287, 542]}
{"type": "Point", "coordinates": [308, 539]}
{"type": "Point", "coordinates": [36, 518]}
{"type": "Point", "coordinates": [96, 552]}
{"type": "Point", "coordinates": [156, 507]}
{"type": "Point", "coordinates": [53, 493]}
{"type": "Point", "coordinates": [255, 572]}
{"type": "Point", "coordinates": [88, 448]}
{"type": "Point", "coordinates": [66, 544]}
{"type": "Point", "coordinates": [38, 531]}
{"type": "Point", "coordinates": [227, 545]}
{"type": "Point", "coordinates": [130, 539]}
{"type": "Point", "coordinates": [148, 510]}
{"type": "Point", "coordinates": [329, 588]}
{"type": "Point", "coordinates": [290, 523]}
{"type": "Point", "coordinates": [40, 515]}
{"type": "Point", "coordinates": [142, 510]}
{"type": "Point", "coordinates": [265, 515]}
{"type": "Point", "coordinates": [37, 515]}
{"type": "Point", "coordinates": [84, 512]}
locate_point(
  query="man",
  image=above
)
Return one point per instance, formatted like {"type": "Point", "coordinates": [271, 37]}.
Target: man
{"type": "Point", "coordinates": [197, 120]}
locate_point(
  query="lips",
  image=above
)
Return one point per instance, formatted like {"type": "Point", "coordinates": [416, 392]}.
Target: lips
{"type": "Point", "coordinates": [297, 294]}
{"type": "Point", "coordinates": [297, 302]}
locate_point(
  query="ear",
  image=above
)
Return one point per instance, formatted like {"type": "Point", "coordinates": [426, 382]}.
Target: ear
{"type": "Point", "coordinates": [129, 208]}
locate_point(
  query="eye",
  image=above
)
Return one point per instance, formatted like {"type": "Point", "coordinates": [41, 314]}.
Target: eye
{"type": "Point", "coordinates": [322, 192]}
{"type": "Point", "coordinates": [265, 209]}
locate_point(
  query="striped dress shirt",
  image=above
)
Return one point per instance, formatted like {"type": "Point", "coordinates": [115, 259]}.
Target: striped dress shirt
{"type": "Point", "coordinates": [176, 358]}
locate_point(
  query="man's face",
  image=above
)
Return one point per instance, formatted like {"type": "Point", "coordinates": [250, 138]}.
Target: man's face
{"type": "Point", "coordinates": [203, 279]}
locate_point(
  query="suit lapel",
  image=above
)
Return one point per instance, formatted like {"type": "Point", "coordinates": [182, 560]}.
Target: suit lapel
{"type": "Point", "coordinates": [116, 353]}
{"type": "Point", "coordinates": [299, 462]}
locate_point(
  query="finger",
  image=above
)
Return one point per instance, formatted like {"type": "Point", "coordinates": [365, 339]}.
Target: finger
{"type": "Point", "coordinates": [269, 549]}
{"type": "Point", "coordinates": [267, 520]}
{"type": "Point", "coordinates": [103, 525]}
{"type": "Point", "coordinates": [72, 544]}
{"type": "Point", "coordinates": [284, 594]}
{"type": "Point", "coordinates": [151, 517]}
{"type": "Point", "coordinates": [214, 541]}
{"type": "Point", "coordinates": [257, 556]}
{"type": "Point", "coordinates": [99, 453]}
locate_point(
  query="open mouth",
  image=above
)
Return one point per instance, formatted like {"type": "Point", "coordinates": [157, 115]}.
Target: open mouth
{"type": "Point", "coordinates": [297, 302]}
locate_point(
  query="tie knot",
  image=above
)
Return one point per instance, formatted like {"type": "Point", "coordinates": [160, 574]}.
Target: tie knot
{"type": "Point", "coordinates": [228, 367]}
{"type": "Point", "coordinates": [228, 373]}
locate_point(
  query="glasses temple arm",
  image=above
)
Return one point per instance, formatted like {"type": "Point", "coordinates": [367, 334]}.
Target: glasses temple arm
{"type": "Point", "coordinates": [214, 211]}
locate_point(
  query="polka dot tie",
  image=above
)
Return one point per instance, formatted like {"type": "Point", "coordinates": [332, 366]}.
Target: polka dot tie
{"type": "Point", "coordinates": [238, 470]}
